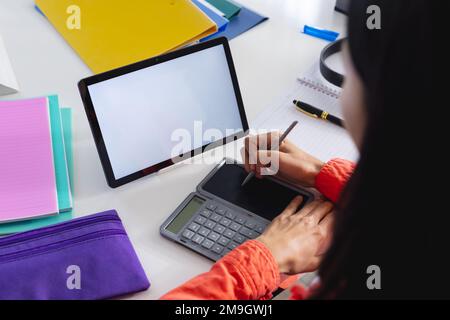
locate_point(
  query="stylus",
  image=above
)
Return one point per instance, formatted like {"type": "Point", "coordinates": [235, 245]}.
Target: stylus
{"type": "Point", "coordinates": [317, 113]}
{"type": "Point", "coordinates": [280, 141]}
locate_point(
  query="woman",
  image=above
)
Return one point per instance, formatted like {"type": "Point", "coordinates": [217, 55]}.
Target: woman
{"type": "Point", "coordinates": [380, 223]}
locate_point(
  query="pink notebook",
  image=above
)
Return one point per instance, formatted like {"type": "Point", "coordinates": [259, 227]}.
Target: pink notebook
{"type": "Point", "coordinates": [27, 175]}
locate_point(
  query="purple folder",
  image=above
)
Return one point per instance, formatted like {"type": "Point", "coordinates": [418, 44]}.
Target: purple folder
{"type": "Point", "coordinates": [86, 258]}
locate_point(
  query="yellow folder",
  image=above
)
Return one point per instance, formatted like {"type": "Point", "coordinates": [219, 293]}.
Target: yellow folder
{"type": "Point", "coordinates": [108, 34]}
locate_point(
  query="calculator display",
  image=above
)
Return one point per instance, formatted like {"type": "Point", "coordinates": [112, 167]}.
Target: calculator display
{"type": "Point", "coordinates": [185, 215]}
{"type": "Point", "coordinates": [265, 197]}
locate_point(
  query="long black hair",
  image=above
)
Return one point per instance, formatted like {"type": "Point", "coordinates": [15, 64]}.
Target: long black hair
{"type": "Point", "coordinates": [384, 218]}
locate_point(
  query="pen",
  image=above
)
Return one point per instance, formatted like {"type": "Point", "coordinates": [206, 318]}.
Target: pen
{"type": "Point", "coordinates": [317, 113]}
{"type": "Point", "coordinates": [280, 141]}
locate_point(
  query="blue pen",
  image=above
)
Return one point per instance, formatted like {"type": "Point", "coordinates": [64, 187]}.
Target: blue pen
{"type": "Point", "coordinates": [321, 33]}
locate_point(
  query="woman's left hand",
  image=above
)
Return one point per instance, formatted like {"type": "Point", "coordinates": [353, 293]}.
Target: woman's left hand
{"type": "Point", "coordinates": [298, 239]}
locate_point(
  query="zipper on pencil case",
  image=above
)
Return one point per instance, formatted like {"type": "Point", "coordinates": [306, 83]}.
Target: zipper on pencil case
{"type": "Point", "coordinates": [59, 228]}
{"type": "Point", "coordinates": [60, 244]}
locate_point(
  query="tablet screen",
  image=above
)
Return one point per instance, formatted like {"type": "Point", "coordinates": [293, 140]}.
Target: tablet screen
{"type": "Point", "coordinates": [265, 197]}
{"type": "Point", "coordinates": [153, 114]}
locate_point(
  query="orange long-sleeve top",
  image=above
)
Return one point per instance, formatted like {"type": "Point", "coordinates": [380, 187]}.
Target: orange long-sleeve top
{"type": "Point", "coordinates": [250, 272]}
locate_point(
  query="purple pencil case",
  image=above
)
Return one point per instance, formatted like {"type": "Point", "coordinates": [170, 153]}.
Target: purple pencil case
{"type": "Point", "coordinates": [85, 258]}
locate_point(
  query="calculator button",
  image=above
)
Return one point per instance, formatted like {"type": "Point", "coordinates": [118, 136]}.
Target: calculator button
{"type": "Point", "coordinates": [233, 245]}
{"type": "Point", "coordinates": [259, 228]}
{"type": "Point", "coordinates": [207, 244]}
{"type": "Point", "coordinates": [200, 219]}
{"type": "Point", "coordinates": [188, 234]}
{"type": "Point", "coordinates": [211, 206]}
{"type": "Point", "coordinates": [224, 241]}
{"type": "Point", "coordinates": [216, 217]}
{"type": "Point", "coordinates": [229, 233]}
{"type": "Point", "coordinates": [206, 213]}
{"type": "Point", "coordinates": [244, 231]}
{"type": "Point", "coordinates": [194, 227]}
{"type": "Point", "coordinates": [219, 228]}
{"type": "Point", "coordinates": [248, 233]}
{"type": "Point", "coordinates": [225, 252]}
{"type": "Point", "coordinates": [210, 224]}
{"type": "Point", "coordinates": [214, 236]}
{"type": "Point", "coordinates": [235, 227]}
{"type": "Point", "coordinates": [240, 220]}
{"type": "Point", "coordinates": [250, 224]}
{"type": "Point", "coordinates": [230, 215]}
{"type": "Point", "coordinates": [252, 234]}
{"type": "Point", "coordinates": [226, 222]}
{"type": "Point", "coordinates": [221, 211]}
{"type": "Point", "coordinates": [197, 239]}
{"type": "Point", "coordinates": [204, 232]}
{"type": "Point", "coordinates": [217, 249]}
{"type": "Point", "coordinates": [239, 238]}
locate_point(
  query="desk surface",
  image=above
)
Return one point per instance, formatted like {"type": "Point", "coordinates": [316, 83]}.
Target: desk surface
{"type": "Point", "coordinates": [268, 59]}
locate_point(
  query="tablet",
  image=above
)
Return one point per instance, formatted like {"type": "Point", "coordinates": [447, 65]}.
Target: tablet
{"type": "Point", "coordinates": [148, 115]}
{"type": "Point", "coordinates": [266, 198]}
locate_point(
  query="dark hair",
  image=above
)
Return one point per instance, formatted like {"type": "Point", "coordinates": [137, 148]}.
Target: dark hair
{"type": "Point", "coordinates": [384, 217]}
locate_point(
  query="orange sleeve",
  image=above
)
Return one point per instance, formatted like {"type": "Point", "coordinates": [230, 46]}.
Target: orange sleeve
{"type": "Point", "coordinates": [333, 177]}
{"type": "Point", "coordinates": [249, 272]}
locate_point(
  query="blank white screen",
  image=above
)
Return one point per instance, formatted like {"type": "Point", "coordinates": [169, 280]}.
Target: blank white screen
{"type": "Point", "coordinates": [139, 111]}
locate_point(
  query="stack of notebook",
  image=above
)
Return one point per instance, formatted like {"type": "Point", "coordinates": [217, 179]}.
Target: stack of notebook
{"type": "Point", "coordinates": [35, 163]}
{"type": "Point", "coordinates": [231, 17]}
{"type": "Point", "coordinates": [108, 34]}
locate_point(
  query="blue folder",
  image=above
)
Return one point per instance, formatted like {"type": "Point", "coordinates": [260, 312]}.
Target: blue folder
{"type": "Point", "coordinates": [244, 21]}
{"type": "Point", "coordinates": [221, 22]}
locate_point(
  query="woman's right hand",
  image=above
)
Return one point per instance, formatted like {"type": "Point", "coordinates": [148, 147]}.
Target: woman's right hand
{"type": "Point", "coordinates": [299, 239]}
{"type": "Point", "coordinates": [295, 165]}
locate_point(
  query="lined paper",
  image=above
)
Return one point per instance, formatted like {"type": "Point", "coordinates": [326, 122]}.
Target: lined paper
{"type": "Point", "coordinates": [25, 225]}
{"type": "Point", "coordinates": [321, 139]}
{"type": "Point", "coordinates": [27, 176]}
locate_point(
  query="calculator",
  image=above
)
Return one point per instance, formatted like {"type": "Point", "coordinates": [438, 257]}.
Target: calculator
{"type": "Point", "coordinates": [222, 214]}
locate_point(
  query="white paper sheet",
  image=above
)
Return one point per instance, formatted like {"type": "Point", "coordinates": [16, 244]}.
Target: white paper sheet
{"type": "Point", "coordinates": [322, 139]}
{"type": "Point", "coordinates": [8, 82]}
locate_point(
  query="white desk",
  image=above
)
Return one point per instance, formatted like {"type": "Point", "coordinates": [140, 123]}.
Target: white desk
{"type": "Point", "coordinates": [268, 59]}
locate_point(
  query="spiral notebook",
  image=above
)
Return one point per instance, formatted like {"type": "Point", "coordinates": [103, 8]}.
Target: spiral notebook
{"type": "Point", "coordinates": [322, 139]}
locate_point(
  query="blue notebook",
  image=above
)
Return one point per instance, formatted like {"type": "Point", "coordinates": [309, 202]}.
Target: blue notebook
{"type": "Point", "coordinates": [66, 116]}
{"type": "Point", "coordinates": [59, 156]}
{"type": "Point", "coordinates": [244, 21]}
{"type": "Point", "coordinates": [221, 22]}
{"type": "Point", "coordinates": [20, 226]}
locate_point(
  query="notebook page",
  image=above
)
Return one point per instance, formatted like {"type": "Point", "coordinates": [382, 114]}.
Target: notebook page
{"type": "Point", "coordinates": [8, 82]}
{"type": "Point", "coordinates": [322, 139]}
{"type": "Point", "coordinates": [323, 94]}
{"type": "Point", "coordinates": [27, 176]}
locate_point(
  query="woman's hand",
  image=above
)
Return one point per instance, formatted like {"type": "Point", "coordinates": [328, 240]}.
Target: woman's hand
{"type": "Point", "coordinates": [295, 165]}
{"type": "Point", "coordinates": [298, 239]}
